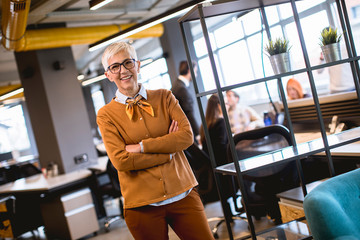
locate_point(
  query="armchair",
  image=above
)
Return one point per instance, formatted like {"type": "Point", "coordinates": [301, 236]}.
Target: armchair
{"type": "Point", "coordinates": [332, 208]}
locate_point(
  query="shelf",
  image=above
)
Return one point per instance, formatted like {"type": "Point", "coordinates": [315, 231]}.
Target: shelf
{"type": "Point", "coordinates": [272, 77]}
{"type": "Point", "coordinates": [266, 162]}
{"type": "Point", "coordinates": [291, 153]}
{"type": "Point", "coordinates": [212, 9]}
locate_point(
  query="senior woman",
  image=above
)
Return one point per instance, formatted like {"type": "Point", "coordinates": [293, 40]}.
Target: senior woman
{"type": "Point", "coordinates": [145, 133]}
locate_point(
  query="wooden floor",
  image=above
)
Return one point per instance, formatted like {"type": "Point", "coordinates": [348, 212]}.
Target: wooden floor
{"type": "Point", "coordinates": [118, 229]}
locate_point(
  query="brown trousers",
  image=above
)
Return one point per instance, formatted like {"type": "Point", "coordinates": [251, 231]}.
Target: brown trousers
{"type": "Point", "coordinates": [186, 217]}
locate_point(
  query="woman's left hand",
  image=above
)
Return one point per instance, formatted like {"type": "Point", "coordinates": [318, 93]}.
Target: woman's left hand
{"type": "Point", "coordinates": [173, 127]}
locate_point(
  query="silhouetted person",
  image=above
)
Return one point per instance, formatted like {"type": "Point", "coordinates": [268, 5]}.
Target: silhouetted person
{"type": "Point", "coordinates": [182, 93]}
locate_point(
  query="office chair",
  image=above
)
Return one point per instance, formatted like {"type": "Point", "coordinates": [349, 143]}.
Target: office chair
{"type": "Point", "coordinates": [18, 216]}
{"type": "Point", "coordinates": [263, 185]}
{"type": "Point", "coordinates": [203, 171]}
{"type": "Point", "coordinates": [7, 215]}
{"type": "Point", "coordinates": [107, 187]}
{"type": "Point", "coordinates": [201, 166]}
{"type": "Point", "coordinates": [115, 192]}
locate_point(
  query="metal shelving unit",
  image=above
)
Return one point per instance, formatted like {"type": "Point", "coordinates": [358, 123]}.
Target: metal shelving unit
{"type": "Point", "coordinates": [241, 7]}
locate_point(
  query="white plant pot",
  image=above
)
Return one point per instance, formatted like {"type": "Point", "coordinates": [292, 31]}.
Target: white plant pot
{"type": "Point", "coordinates": [280, 63]}
{"type": "Point", "coordinates": [331, 52]}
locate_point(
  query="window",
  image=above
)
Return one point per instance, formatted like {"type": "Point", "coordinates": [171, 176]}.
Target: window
{"type": "Point", "coordinates": [13, 133]}
{"type": "Point", "coordinates": [238, 45]}
{"type": "Point", "coordinates": [155, 75]}
{"type": "Point", "coordinates": [98, 100]}
{"type": "Point", "coordinates": [356, 12]}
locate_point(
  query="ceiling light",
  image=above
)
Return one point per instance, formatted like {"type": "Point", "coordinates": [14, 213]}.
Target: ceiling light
{"type": "Point", "coordinates": [144, 25]}
{"type": "Point", "coordinates": [12, 93]}
{"type": "Point", "coordinates": [80, 77]}
{"type": "Point", "coordinates": [96, 4]}
{"type": "Point", "coordinates": [93, 80]}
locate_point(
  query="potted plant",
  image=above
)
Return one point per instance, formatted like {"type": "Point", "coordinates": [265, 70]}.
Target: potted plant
{"type": "Point", "coordinates": [330, 44]}
{"type": "Point", "coordinates": [278, 52]}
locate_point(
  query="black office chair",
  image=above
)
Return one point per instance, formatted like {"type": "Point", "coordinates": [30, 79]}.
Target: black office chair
{"type": "Point", "coordinates": [7, 217]}
{"type": "Point", "coordinates": [201, 166]}
{"type": "Point", "coordinates": [263, 185]}
{"type": "Point", "coordinates": [107, 187]}
{"type": "Point", "coordinates": [115, 192]}
{"type": "Point", "coordinates": [19, 215]}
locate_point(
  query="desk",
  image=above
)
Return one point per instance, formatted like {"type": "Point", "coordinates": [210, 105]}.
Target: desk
{"type": "Point", "coordinates": [41, 184]}
{"type": "Point", "coordinates": [349, 150]}
{"type": "Point", "coordinates": [55, 201]}
{"type": "Point", "coordinates": [291, 201]}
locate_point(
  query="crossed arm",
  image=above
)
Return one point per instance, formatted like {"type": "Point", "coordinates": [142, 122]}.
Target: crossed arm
{"type": "Point", "coordinates": [136, 148]}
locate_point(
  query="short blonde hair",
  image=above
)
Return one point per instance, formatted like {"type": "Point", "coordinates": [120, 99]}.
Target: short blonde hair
{"type": "Point", "coordinates": [114, 49]}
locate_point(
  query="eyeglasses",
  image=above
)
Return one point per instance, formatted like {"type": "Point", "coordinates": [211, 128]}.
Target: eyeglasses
{"type": "Point", "coordinates": [116, 67]}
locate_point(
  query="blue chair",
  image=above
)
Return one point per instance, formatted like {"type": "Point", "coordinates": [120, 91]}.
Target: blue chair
{"type": "Point", "coordinates": [332, 208]}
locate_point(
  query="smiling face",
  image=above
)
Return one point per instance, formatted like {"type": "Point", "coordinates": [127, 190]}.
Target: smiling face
{"type": "Point", "coordinates": [125, 79]}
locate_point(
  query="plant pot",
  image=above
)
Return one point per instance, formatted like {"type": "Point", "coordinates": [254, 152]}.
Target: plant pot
{"type": "Point", "coordinates": [331, 52]}
{"type": "Point", "coordinates": [280, 63]}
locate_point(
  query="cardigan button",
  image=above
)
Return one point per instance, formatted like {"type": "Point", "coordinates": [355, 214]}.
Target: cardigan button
{"type": "Point", "coordinates": [164, 195]}
{"type": "Point", "coordinates": [160, 179]}
{"type": "Point", "coordinates": [140, 118]}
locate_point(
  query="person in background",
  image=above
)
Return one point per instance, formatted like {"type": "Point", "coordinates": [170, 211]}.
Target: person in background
{"type": "Point", "coordinates": [145, 133]}
{"type": "Point", "coordinates": [294, 89]}
{"type": "Point", "coordinates": [217, 130]}
{"type": "Point", "coordinates": [219, 142]}
{"type": "Point", "coordinates": [182, 93]}
{"type": "Point", "coordinates": [241, 118]}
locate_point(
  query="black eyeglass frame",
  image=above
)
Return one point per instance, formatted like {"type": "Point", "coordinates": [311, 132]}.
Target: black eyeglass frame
{"type": "Point", "coordinates": [122, 64]}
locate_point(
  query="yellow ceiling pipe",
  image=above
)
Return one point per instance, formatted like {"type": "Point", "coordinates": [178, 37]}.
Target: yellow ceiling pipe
{"type": "Point", "coordinates": [13, 22]}
{"type": "Point", "coordinates": [15, 37]}
{"type": "Point", "coordinates": [63, 37]}
{"type": "Point", "coordinates": [10, 88]}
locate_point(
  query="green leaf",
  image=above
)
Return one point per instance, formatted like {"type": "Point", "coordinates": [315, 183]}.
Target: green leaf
{"type": "Point", "coordinates": [278, 46]}
{"type": "Point", "coordinates": [329, 36]}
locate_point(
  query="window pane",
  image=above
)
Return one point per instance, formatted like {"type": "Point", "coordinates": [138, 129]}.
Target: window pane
{"type": "Point", "coordinates": [235, 63]}
{"type": "Point", "coordinates": [255, 48]}
{"type": "Point", "coordinates": [272, 15]}
{"type": "Point", "coordinates": [228, 33]}
{"type": "Point", "coordinates": [98, 100]}
{"type": "Point", "coordinates": [166, 81]}
{"type": "Point", "coordinates": [154, 75]}
{"type": "Point", "coordinates": [207, 73]}
{"type": "Point", "coordinates": [311, 26]}
{"type": "Point", "coordinates": [276, 32]}
{"type": "Point", "coordinates": [285, 10]}
{"type": "Point", "coordinates": [200, 45]}
{"type": "Point", "coordinates": [13, 132]}
{"type": "Point", "coordinates": [304, 5]}
{"type": "Point", "coordinates": [251, 22]}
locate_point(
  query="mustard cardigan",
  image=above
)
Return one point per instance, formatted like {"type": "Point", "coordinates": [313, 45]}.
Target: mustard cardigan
{"type": "Point", "coordinates": [150, 176]}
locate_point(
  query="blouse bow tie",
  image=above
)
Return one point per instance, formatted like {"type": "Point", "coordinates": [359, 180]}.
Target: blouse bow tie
{"type": "Point", "coordinates": [139, 101]}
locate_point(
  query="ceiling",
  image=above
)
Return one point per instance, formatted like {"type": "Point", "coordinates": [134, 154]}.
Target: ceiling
{"type": "Point", "coordinates": [76, 13]}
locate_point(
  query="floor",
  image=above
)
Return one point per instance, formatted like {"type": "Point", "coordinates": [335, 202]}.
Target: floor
{"type": "Point", "coordinates": [118, 230]}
